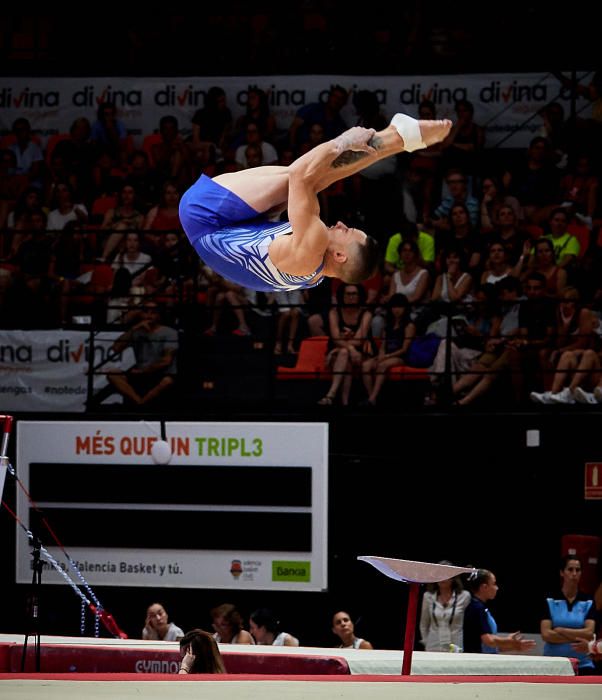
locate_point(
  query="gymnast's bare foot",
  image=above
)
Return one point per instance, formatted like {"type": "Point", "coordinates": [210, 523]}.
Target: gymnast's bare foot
{"type": "Point", "coordinates": [434, 131]}
{"type": "Point", "coordinates": [420, 134]}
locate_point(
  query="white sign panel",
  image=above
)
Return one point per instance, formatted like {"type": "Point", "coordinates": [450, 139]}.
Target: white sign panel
{"type": "Point", "coordinates": [505, 104]}
{"type": "Point", "coordinates": [238, 505]}
{"type": "Point", "coordinates": [48, 370]}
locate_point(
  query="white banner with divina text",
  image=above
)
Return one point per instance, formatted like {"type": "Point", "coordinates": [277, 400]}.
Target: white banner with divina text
{"type": "Point", "coordinates": [507, 105]}
{"type": "Point", "coordinates": [48, 370]}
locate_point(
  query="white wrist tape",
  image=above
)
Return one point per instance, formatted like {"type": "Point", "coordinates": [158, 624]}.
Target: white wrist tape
{"type": "Point", "coordinates": [409, 130]}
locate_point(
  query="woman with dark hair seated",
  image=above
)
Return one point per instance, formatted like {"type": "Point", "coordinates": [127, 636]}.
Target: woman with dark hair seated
{"type": "Point", "coordinates": [265, 627]}
{"type": "Point", "coordinates": [200, 654]}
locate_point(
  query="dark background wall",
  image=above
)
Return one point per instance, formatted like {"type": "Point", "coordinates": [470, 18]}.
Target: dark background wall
{"type": "Point", "coordinates": [458, 486]}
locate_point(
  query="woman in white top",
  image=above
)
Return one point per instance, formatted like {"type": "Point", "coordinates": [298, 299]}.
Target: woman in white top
{"type": "Point", "coordinates": [412, 280]}
{"type": "Point", "coordinates": [453, 284]}
{"type": "Point", "coordinates": [264, 626]}
{"type": "Point", "coordinates": [442, 617]}
{"type": "Point", "coordinates": [158, 626]}
{"type": "Point", "coordinates": [227, 623]}
{"type": "Point", "coordinates": [344, 629]}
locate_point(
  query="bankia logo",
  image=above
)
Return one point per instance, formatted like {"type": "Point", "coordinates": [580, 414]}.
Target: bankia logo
{"type": "Point", "coordinates": [236, 568]}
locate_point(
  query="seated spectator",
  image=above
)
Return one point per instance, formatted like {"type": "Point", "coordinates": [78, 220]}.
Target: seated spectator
{"type": "Point", "coordinates": [257, 112]}
{"type": "Point", "coordinates": [254, 137]}
{"type": "Point", "coordinates": [200, 653]}
{"type": "Point", "coordinates": [576, 369]}
{"type": "Point", "coordinates": [170, 155]}
{"type": "Point", "coordinates": [220, 293]}
{"type": "Point", "coordinates": [543, 261]}
{"type": "Point", "coordinates": [165, 216]}
{"type": "Point", "coordinates": [496, 264]}
{"type": "Point", "coordinates": [535, 183]}
{"type": "Point", "coordinates": [213, 123]}
{"type": "Point", "coordinates": [412, 280]}
{"type": "Point", "coordinates": [124, 217]}
{"type": "Point", "coordinates": [343, 628]}
{"type": "Point", "coordinates": [410, 232]}
{"type": "Point", "coordinates": [460, 234]}
{"type": "Point", "coordinates": [78, 155]}
{"type": "Point", "coordinates": [155, 348]}
{"type": "Point", "coordinates": [493, 200]}
{"type": "Point", "coordinates": [28, 203]}
{"type": "Point", "coordinates": [265, 628]}
{"type": "Point", "coordinates": [453, 285]}
{"type": "Point", "coordinates": [63, 208]}
{"type": "Point", "coordinates": [132, 258]}
{"type": "Point", "coordinates": [328, 114]}
{"type": "Point", "coordinates": [288, 313]}
{"type": "Point", "coordinates": [395, 343]}
{"type": "Point", "coordinates": [566, 246]}
{"type": "Point", "coordinates": [506, 232]}
{"type": "Point", "coordinates": [158, 626]}
{"type": "Point", "coordinates": [228, 625]}
{"type": "Point", "coordinates": [535, 333]}
{"type": "Point", "coordinates": [422, 174]}
{"type": "Point", "coordinates": [458, 194]}
{"type": "Point", "coordinates": [464, 143]}
{"type": "Point", "coordinates": [349, 325]}
{"type": "Point", "coordinates": [109, 134]}
{"type": "Point", "coordinates": [579, 188]}
{"type": "Point", "coordinates": [11, 186]}
{"type": "Point", "coordinates": [487, 367]}
{"type": "Point", "coordinates": [121, 304]}
{"type": "Point", "coordinates": [29, 156]}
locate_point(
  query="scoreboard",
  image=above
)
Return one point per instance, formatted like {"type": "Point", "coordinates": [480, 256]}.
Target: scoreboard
{"type": "Point", "coordinates": [237, 506]}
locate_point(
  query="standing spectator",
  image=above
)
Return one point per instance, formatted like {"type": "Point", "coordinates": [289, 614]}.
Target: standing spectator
{"type": "Point", "coordinates": [344, 629]}
{"type": "Point", "coordinates": [158, 626]}
{"type": "Point", "coordinates": [480, 628]}
{"type": "Point", "coordinates": [442, 616]}
{"type": "Point", "coordinates": [569, 617]}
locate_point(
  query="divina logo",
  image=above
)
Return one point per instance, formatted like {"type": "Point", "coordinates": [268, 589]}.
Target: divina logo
{"type": "Point", "coordinates": [64, 352]}
{"type": "Point", "coordinates": [414, 94]}
{"type": "Point", "coordinates": [28, 99]}
{"type": "Point", "coordinates": [87, 97]}
{"type": "Point", "coordinates": [515, 92]}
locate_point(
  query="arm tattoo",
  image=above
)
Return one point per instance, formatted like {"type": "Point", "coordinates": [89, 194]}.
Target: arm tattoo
{"type": "Point", "coordinates": [349, 157]}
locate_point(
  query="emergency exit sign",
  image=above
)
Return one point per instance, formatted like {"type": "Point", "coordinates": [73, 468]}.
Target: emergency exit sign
{"type": "Point", "coordinates": [593, 481]}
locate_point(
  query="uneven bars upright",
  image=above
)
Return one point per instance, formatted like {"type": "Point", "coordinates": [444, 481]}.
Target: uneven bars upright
{"type": "Point", "coordinates": [7, 429]}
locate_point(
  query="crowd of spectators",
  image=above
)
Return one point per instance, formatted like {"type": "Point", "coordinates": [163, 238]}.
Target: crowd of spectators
{"type": "Point", "coordinates": [505, 243]}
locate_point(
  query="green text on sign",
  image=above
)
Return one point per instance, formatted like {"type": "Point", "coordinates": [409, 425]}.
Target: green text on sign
{"type": "Point", "coordinates": [291, 571]}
